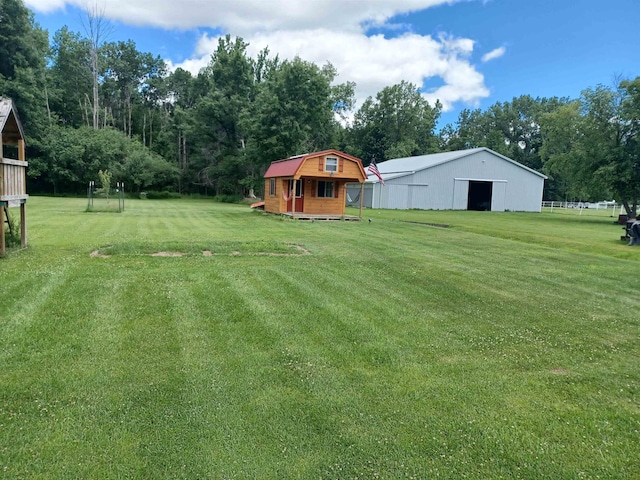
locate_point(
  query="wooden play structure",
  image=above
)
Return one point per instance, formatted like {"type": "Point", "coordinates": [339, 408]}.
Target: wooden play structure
{"type": "Point", "coordinates": [312, 186]}
{"type": "Point", "coordinates": [13, 170]}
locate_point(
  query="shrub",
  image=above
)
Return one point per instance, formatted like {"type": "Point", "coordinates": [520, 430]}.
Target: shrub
{"type": "Point", "coordinates": [12, 235]}
{"type": "Point", "coordinates": [155, 195]}
{"type": "Point", "coordinates": [228, 198]}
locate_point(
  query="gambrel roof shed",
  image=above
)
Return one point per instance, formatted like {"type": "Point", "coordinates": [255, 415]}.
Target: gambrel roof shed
{"type": "Point", "coordinates": [311, 184]}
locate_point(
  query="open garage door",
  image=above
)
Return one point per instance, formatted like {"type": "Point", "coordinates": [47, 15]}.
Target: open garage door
{"type": "Point", "coordinates": [480, 194]}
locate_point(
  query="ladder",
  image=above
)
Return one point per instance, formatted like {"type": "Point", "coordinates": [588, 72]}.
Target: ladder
{"type": "Point", "coordinates": [7, 220]}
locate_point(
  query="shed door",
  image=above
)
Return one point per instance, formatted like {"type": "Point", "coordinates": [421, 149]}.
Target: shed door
{"type": "Point", "coordinates": [299, 195]}
{"type": "Point", "coordinates": [499, 194]}
{"type": "Point", "coordinates": [460, 194]}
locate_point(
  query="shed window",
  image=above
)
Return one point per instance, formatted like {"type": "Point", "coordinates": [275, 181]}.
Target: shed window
{"type": "Point", "coordinates": [330, 164]}
{"type": "Point", "coordinates": [325, 189]}
{"type": "Point", "coordinates": [272, 187]}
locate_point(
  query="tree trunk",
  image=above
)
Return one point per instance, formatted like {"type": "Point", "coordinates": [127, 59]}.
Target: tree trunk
{"type": "Point", "coordinates": [83, 109]}
{"type": "Point", "coordinates": [46, 98]}
{"type": "Point", "coordinates": [94, 72]}
{"type": "Point", "coordinates": [630, 209]}
{"type": "Point", "coordinates": [150, 129]}
{"type": "Point", "coordinates": [184, 151]}
{"type": "Point", "coordinates": [97, 29]}
{"type": "Point", "coordinates": [129, 111]}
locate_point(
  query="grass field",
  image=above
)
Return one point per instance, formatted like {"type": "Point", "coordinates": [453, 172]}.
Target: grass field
{"type": "Point", "coordinates": [504, 346]}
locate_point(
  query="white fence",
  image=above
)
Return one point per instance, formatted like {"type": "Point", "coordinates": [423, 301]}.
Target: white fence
{"type": "Point", "coordinates": [611, 206]}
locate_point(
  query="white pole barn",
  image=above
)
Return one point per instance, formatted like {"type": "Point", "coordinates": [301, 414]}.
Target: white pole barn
{"type": "Point", "coordinates": [474, 179]}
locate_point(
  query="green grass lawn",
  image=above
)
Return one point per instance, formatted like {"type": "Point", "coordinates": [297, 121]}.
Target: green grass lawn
{"type": "Point", "coordinates": [504, 346]}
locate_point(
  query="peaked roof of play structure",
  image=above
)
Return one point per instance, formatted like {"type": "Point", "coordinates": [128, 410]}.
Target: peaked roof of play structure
{"type": "Point", "coordinates": [10, 124]}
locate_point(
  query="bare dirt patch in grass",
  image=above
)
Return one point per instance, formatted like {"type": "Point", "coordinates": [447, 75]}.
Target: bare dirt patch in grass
{"type": "Point", "coordinates": [301, 249]}
{"type": "Point", "coordinates": [175, 249]}
{"type": "Point", "coordinates": [298, 250]}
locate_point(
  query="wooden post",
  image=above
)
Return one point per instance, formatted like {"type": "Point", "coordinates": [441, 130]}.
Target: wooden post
{"type": "Point", "coordinates": [23, 224]}
{"type": "Point", "coordinates": [361, 198]}
{"type": "Point", "coordinates": [293, 196]}
{"type": "Point", "coordinates": [21, 152]}
{"type": "Point", "coordinates": [2, 217]}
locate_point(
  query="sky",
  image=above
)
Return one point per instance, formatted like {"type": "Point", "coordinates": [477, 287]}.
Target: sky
{"type": "Point", "coordinates": [465, 53]}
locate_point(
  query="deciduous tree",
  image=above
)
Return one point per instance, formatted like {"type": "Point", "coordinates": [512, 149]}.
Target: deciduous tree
{"type": "Point", "coordinates": [595, 142]}
{"type": "Point", "coordinates": [398, 123]}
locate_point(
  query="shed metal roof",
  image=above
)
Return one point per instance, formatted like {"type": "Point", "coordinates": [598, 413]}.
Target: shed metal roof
{"type": "Point", "coordinates": [399, 167]}
{"type": "Point", "coordinates": [285, 168]}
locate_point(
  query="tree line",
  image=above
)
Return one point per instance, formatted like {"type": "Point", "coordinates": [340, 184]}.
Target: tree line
{"type": "Point", "coordinates": [90, 104]}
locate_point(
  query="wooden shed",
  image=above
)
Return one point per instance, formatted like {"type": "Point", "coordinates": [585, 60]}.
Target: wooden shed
{"type": "Point", "coordinates": [312, 185]}
{"type": "Point", "coordinates": [13, 170]}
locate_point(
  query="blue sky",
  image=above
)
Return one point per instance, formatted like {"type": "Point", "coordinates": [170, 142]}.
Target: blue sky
{"type": "Point", "coordinates": [467, 53]}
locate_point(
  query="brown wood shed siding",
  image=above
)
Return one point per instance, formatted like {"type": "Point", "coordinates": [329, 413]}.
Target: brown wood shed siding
{"type": "Point", "coordinates": [277, 203]}
{"type": "Point", "coordinates": [314, 167]}
{"type": "Point", "coordinates": [272, 204]}
{"type": "Point", "coordinates": [329, 206]}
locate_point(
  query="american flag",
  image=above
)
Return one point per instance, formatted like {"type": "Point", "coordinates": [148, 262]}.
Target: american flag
{"type": "Point", "coordinates": [373, 169]}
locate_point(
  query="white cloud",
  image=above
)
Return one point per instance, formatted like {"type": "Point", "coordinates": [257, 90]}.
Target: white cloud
{"type": "Point", "coordinates": [373, 62]}
{"type": "Point", "coordinates": [46, 6]}
{"type": "Point", "coordinates": [244, 17]}
{"type": "Point", "coordinates": [319, 31]}
{"type": "Point", "coordinates": [493, 54]}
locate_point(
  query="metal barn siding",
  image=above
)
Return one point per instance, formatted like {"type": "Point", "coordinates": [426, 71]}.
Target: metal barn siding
{"type": "Point", "coordinates": [419, 197]}
{"type": "Point", "coordinates": [353, 190]}
{"type": "Point", "coordinates": [498, 198]}
{"type": "Point", "coordinates": [520, 188]}
{"type": "Point", "coordinates": [460, 194]}
{"type": "Point", "coordinates": [397, 196]}
{"type": "Point", "coordinates": [445, 186]}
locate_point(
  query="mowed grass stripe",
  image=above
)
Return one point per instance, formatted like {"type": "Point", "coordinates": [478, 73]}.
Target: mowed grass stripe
{"type": "Point", "coordinates": [394, 350]}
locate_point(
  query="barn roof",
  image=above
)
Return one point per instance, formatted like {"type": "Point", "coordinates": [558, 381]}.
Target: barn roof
{"type": "Point", "coordinates": [7, 111]}
{"type": "Point", "coordinates": [399, 167]}
{"type": "Point", "coordinates": [288, 167]}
